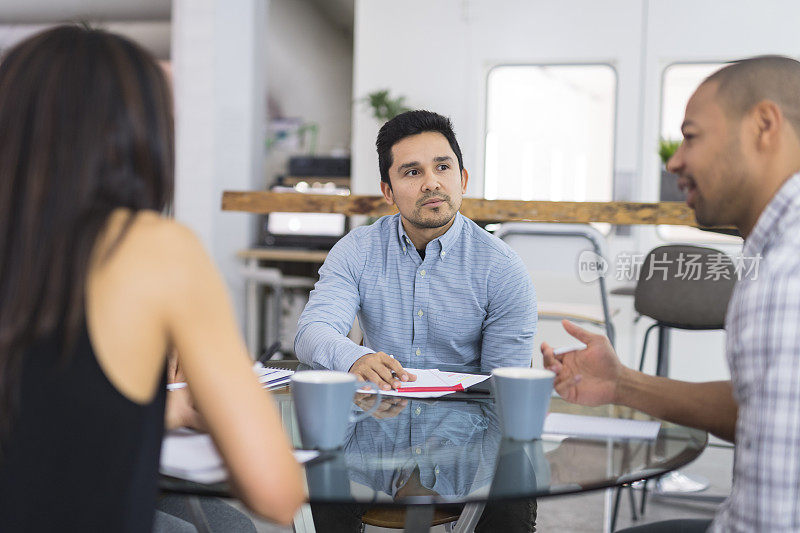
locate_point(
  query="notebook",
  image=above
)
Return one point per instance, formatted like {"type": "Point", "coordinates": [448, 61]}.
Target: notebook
{"type": "Point", "coordinates": [189, 455]}
{"type": "Point", "coordinates": [272, 378]}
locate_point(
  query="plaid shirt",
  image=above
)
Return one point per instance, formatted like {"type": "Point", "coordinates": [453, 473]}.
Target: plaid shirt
{"type": "Point", "coordinates": [763, 350]}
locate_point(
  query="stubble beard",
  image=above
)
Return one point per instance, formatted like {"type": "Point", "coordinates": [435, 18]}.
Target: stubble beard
{"type": "Point", "coordinates": [732, 178]}
{"type": "Point", "coordinates": [440, 216]}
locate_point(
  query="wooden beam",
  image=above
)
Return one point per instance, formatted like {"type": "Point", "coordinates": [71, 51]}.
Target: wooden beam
{"type": "Point", "coordinates": [671, 213]}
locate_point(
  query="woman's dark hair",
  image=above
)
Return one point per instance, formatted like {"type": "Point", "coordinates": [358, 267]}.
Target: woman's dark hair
{"type": "Point", "coordinates": [412, 123]}
{"type": "Point", "coordinates": [85, 128]}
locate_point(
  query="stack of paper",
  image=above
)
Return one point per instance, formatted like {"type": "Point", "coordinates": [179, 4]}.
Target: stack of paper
{"type": "Point", "coordinates": [272, 378]}
{"type": "Point", "coordinates": [189, 455]}
{"type": "Point", "coordinates": [434, 383]}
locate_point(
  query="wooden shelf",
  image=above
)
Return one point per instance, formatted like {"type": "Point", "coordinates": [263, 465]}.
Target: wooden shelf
{"type": "Point", "coordinates": [292, 255]}
{"type": "Point", "coordinates": [624, 213]}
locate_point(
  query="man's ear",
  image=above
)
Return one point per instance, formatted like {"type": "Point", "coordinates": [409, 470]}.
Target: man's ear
{"type": "Point", "coordinates": [768, 119]}
{"type": "Point", "coordinates": [388, 195]}
{"type": "Point", "coordinates": [464, 180]}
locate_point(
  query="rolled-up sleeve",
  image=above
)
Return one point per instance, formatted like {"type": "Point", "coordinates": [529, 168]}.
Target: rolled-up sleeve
{"type": "Point", "coordinates": [332, 306]}
{"type": "Point", "coordinates": [510, 324]}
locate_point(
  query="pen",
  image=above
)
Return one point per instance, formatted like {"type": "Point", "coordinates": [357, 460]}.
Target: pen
{"type": "Point", "coordinates": [269, 352]}
{"type": "Point", "coordinates": [566, 349]}
{"type": "Point", "coordinates": [456, 388]}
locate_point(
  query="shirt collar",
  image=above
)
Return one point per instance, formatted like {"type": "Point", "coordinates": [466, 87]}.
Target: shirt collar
{"type": "Point", "coordinates": [445, 241]}
{"type": "Point", "coordinates": [765, 229]}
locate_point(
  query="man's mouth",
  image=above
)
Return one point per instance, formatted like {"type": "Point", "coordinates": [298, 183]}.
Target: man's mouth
{"type": "Point", "coordinates": [688, 186]}
{"type": "Point", "coordinates": [433, 202]}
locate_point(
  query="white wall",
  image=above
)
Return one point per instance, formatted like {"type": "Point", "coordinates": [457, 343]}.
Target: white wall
{"type": "Point", "coordinates": [438, 55]}
{"type": "Point", "coordinates": [219, 85]}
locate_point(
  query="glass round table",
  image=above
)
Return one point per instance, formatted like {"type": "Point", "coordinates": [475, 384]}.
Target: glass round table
{"type": "Point", "coordinates": [416, 453]}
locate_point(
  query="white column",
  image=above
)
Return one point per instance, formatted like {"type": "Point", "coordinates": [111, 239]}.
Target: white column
{"type": "Point", "coordinates": [218, 49]}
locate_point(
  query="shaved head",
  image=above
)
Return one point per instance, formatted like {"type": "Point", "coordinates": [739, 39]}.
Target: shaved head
{"type": "Point", "coordinates": [743, 84]}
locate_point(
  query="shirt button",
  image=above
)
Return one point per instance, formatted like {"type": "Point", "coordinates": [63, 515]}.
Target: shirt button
{"type": "Point", "coordinates": [422, 273]}
{"type": "Point", "coordinates": [419, 313]}
{"type": "Point", "coordinates": [419, 352]}
{"type": "Point", "coordinates": [436, 470]}
{"type": "Point", "coordinates": [417, 411]}
{"type": "Point", "coordinates": [404, 248]}
{"type": "Point", "coordinates": [443, 253]}
{"type": "Point", "coordinates": [418, 450]}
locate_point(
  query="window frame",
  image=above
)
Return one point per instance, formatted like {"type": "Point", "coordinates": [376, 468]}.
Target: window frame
{"type": "Point", "coordinates": [615, 107]}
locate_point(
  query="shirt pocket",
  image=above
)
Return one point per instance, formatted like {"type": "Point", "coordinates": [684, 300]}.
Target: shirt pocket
{"type": "Point", "coordinates": [459, 325]}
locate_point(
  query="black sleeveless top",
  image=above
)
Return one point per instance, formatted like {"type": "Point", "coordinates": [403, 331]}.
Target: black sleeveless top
{"type": "Point", "coordinates": [81, 456]}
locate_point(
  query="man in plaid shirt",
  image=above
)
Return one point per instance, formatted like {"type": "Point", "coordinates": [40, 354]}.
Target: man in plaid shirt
{"type": "Point", "coordinates": [739, 164]}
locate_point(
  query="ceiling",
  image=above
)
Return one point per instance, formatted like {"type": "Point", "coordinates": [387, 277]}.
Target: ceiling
{"type": "Point", "coordinates": [49, 11]}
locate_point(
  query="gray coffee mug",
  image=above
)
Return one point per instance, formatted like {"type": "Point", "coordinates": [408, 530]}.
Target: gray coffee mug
{"type": "Point", "coordinates": [523, 397]}
{"type": "Point", "coordinates": [323, 400]}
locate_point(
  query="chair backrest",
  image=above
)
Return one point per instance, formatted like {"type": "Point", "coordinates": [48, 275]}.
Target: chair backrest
{"type": "Point", "coordinates": [551, 253]}
{"type": "Point", "coordinates": [685, 286]}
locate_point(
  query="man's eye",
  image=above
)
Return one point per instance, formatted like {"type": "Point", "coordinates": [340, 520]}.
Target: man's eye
{"type": "Point", "coordinates": [412, 172]}
{"type": "Point", "coordinates": [443, 167]}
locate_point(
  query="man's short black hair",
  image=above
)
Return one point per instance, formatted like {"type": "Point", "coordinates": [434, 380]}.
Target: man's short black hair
{"type": "Point", "coordinates": [412, 123]}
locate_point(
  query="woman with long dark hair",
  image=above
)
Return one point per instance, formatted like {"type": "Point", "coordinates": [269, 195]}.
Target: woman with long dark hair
{"type": "Point", "coordinates": [96, 287]}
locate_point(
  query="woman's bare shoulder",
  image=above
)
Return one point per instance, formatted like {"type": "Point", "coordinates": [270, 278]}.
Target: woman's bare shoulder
{"type": "Point", "coordinates": [150, 246]}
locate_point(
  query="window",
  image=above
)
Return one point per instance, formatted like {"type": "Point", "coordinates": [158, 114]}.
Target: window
{"type": "Point", "coordinates": [679, 82]}
{"type": "Point", "coordinates": [550, 133]}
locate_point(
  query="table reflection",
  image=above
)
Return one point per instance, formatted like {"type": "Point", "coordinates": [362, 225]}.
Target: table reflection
{"type": "Point", "coordinates": [442, 448]}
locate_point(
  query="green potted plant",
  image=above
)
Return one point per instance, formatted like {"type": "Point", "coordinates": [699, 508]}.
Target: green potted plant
{"type": "Point", "coordinates": [383, 106]}
{"type": "Point", "coordinates": [669, 181]}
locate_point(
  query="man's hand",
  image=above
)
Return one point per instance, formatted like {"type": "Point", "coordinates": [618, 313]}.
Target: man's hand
{"type": "Point", "coordinates": [589, 376]}
{"type": "Point", "coordinates": [388, 408]}
{"type": "Point", "coordinates": [381, 369]}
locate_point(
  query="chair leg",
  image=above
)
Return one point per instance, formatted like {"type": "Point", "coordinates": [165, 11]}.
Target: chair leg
{"type": "Point", "coordinates": [662, 366]}
{"type": "Point", "coordinates": [632, 497]}
{"type": "Point", "coordinates": [617, 496]}
{"type": "Point", "coordinates": [644, 345]}
{"type": "Point", "coordinates": [644, 497]}
{"type": "Point", "coordinates": [198, 517]}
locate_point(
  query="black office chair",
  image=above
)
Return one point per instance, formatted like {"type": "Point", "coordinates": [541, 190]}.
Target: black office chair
{"type": "Point", "coordinates": [682, 287]}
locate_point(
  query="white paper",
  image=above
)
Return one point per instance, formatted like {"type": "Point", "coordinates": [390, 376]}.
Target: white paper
{"type": "Point", "coordinates": [189, 455]}
{"type": "Point", "coordinates": [602, 427]}
{"type": "Point", "coordinates": [466, 380]}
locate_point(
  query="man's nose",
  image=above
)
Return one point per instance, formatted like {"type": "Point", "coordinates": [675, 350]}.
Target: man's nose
{"type": "Point", "coordinates": [675, 163]}
{"type": "Point", "coordinates": [430, 182]}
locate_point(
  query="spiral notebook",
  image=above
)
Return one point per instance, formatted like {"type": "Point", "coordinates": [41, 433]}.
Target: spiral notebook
{"type": "Point", "coordinates": [272, 378]}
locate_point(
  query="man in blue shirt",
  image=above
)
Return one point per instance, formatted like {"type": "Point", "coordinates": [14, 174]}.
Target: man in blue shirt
{"type": "Point", "coordinates": [429, 286]}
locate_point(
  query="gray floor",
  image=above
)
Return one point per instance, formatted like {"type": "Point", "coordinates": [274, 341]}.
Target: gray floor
{"type": "Point", "coordinates": [585, 513]}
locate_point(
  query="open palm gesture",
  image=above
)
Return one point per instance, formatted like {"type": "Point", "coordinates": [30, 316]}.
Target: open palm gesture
{"type": "Point", "coordinates": [589, 376]}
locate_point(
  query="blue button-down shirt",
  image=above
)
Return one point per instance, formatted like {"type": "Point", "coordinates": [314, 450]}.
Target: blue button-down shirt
{"type": "Point", "coordinates": [470, 303]}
